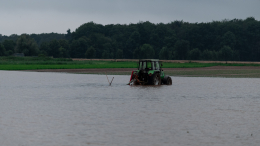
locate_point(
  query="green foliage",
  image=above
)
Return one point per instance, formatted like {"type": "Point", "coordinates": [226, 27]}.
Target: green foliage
{"type": "Point", "coordinates": [119, 54]}
{"type": "Point", "coordinates": [226, 53]}
{"type": "Point", "coordinates": [146, 51]}
{"type": "Point", "coordinates": [9, 46]}
{"type": "Point", "coordinates": [87, 29]}
{"type": "Point", "coordinates": [91, 53]}
{"type": "Point", "coordinates": [181, 49]}
{"type": "Point", "coordinates": [229, 39]}
{"type": "Point", "coordinates": [46, 37]}
{"type": "Point", "coordinates": [132, 43]}
{"type": "Point", "coordinates": [26, 45]}
{"type": "Point", "coordinates": [2, 50]}
{"type": "Point", "coordinates": [77, 48]}
{"type": "Point", "coordinates": [62, 52]}
{"type": "Point", "coordinates": [68, 35]}
{"type": "Point", "coordinates": [9, 52]}
{"type": "Point", "coordinates": [179, 37]}
{"type": "Point", "coordinates": [106, 55]}
{"type": "Point", "coordinates": [209, 55]}
{"type": "Point", "coordinates": [195, 54]}
{"type": "Point", "coordinates": [54, 48]}
{"type": "Point", "coordinates": [45, 49]}
{"type": "Point", "coordinates": [165, 53]}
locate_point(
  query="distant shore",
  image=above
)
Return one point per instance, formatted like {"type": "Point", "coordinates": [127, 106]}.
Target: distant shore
{"type": "Point", "coordinates": [171, 61]}
{"type": "Point", "coordinates": [215, 71]}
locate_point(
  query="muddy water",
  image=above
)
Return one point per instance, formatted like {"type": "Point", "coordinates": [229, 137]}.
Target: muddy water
{"type": "Point", "coordinates": [49, 109]}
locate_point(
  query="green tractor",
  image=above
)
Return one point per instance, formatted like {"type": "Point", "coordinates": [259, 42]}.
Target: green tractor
{"type": "Point", "coordinates": [149, 73]}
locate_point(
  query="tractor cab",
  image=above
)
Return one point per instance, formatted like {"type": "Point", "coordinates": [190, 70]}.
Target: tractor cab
{"type": "Point", "coordinates": [151, 64]}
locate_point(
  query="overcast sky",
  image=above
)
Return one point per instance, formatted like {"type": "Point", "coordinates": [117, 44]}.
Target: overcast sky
{"type": "Point", "coordinates": [45, 16]}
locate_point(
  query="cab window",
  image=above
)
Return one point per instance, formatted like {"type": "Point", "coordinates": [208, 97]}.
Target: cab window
{"type": "Point", "coordinates": [142, 65]}
{"type": "Point", "coordinates": [153, 66]}
{"type": "Point", "coordinates": [157, 66]}
{"type": "Point", "coordinates": [149, 66]}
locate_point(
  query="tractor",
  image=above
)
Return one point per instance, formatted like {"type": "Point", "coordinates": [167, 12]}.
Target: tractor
{"type": "Point", "coordinates": [149, 73]}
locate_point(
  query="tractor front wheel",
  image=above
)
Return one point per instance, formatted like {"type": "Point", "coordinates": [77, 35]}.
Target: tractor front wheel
{"type": "Point", "coordinates": [156, 79]}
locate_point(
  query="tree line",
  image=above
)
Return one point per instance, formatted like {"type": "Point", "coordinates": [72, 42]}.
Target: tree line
{"type": "Point", "coordinates": [235, 39]}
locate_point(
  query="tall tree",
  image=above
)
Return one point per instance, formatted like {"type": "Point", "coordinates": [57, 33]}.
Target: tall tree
{"type": "Point", "coordinates": [54, 48]}
{"type": "Point", "coordinates": [87, 29]}
{"type": "Point", "coordinates": [181, 49]}
{"type": "Point", "coordinates": [68, 36]}
{"type": "Point", "coordinates": [91, 53]}
{"type": "Point", "coordinates": [2, 50]}
{"type": "Point", "coordinates": [132, 43]}
{"type": "Point", "coordinates": [65, 48]}
{"type": "Point", "coordinates": [45, 49]}
{"type": "Point", "coordinates": [229, 39]}
{"type": "Point", "coordinates": [119, 54]}
{"type": "Point", "coordinates": [9, 46]}
{"type": "Point", "coordinates": [226, 53]}
{"type": "Point", "coordinates": [79, 47]}
{"type": "Point", "coordinates": [209, 55]}
{"type": "Point", "coordinates": [195, 54]}
{"type": "Point", "coordinates": [147, 51]}
{"type": "Point", "coordinates": [165, 53]}
{"type": "Point", "coordinates": [26, 45]}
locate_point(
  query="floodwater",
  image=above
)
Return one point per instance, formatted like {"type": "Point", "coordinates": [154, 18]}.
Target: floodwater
{"type": "Point", "coordinates": [59, 109]}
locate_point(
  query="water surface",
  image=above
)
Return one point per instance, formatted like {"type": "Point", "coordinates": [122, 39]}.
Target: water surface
{"type": "Point", "coordinates": [47, 109]}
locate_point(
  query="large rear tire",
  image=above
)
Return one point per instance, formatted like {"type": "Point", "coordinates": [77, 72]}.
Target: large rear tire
{"type": "Point", "coordinates": [156, 79]}
{"type": "Point", "coordinates": [169, 81]}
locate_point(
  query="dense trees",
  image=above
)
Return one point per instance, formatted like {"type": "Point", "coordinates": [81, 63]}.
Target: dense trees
{"type": "Point", "coordinates": [119, 54]}
{"type": "Point", "coordinates": [165, 53]}
{"type": "Point", "coordinates": [194, 54]}
{"type": "Point", "coordinates": [181, 49]}
{"type": "Point", "coordinates": [218, 40]}
{"type": "Point", "coordinates": [226, 53]}
{"type": "Point", "coordinates": [2, 50]}
{"type": "Point", "coordinates": [26, 45]}
{"type": "Point", "coordinates": [9, 46]}
{"type": "Point", "coordinates": [146, 51]}
{"type": "Point", "coordinates": [91, 53]}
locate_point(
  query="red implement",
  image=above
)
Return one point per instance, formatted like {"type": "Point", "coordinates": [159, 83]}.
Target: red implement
{"type": "Point", "coordinates": [131, 76]}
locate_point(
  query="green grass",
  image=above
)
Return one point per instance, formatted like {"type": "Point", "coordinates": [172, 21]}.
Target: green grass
{"type": "Point", "coordinates": [32, 63]}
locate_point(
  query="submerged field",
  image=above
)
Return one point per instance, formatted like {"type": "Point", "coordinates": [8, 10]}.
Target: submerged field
{"type": "Point", "coordinates": [124, 67]}
{"type": "Point", "coordinates": [217, 71]}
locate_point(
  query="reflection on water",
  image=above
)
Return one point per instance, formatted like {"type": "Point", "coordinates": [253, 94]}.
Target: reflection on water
{"type": "Point", "coordinates": [76, 109]}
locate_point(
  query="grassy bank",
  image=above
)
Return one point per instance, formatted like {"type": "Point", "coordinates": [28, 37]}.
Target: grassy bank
{"type": "Point", "coordinates": [33, 63]}
{"type": "Point", "coordinates": [37, 63]}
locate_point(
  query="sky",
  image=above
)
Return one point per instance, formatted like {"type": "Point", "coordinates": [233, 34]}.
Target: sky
{"type": "Point", "coordinates": [46, 16]}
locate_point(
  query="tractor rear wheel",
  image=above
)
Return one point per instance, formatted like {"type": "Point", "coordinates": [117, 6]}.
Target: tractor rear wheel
{"type": "Point", "coordinates": [156, 79]}
{"type": "Point", "coordinates": [169, 81]}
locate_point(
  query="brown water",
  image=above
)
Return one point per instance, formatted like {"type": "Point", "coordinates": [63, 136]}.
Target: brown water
{"type": "Point", "coordinates": [58, 109]}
